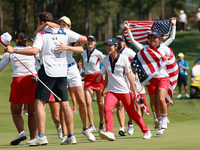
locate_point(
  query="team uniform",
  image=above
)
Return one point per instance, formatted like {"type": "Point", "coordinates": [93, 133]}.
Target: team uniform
{"type": "Point", "coordinates": [91, 64]}
{"type": "Point", "coordinates": [22, 87]}
{"type": "Point", "coordinates": [53, 71]}
{"type": "Point", "coordinates": [118, 89]}
{"type": "Point", "coordinates": [73, 76]}
{"type": "Point", "coordinates": [161, 80]}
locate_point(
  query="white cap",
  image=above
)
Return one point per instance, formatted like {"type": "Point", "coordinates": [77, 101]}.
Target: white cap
{"type": "Point", "coordinates": [5, 39]}
{"type": "Point", "coordinates": [182, 11]}
{"type": "Point", "coordinates": [199, 9]}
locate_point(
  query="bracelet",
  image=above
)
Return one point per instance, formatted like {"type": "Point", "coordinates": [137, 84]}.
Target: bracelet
{"type": "Point", "coordinates": [15, 51]}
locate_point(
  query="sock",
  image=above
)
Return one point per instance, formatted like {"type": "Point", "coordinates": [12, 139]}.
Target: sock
{"type": "Point", "coordinates": [159, 118]}
{"type": "Point", "coordinates": [21, 132]}
{"type": "Point", "coordinates": [101, 123]}
{"type": "Point", "coordinates": [154, 115]}
{"type": "Point", "coordinates": [41, 135]}
{"type": "Point", "coordinates": [69, 135]}
{"type": "Point", "coordinates": [85, 129]}
{"type": "Point", "coordinates": [164, 116]}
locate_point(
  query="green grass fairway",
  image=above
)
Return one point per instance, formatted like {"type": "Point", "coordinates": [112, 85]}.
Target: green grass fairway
{"type": "Point", "coordinates": [182, 133]}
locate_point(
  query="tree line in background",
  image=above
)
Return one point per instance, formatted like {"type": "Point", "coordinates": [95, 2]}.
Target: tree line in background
{"type": "Point", "coordinates": [101, 18]}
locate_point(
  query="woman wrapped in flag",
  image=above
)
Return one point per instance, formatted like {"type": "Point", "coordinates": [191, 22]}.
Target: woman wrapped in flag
{"type": "Point", "coordinates": [153, 64]}
{"type": "Point", "coordinates": [117, 88]}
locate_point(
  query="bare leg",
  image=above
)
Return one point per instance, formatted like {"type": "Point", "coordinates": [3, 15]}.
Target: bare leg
{"type": "Point", "coordinates": [54, 106]}
{"type": "Point", "coordinates": [179, 89]}
{"type": "Point", "coordinates": [100, 105]}
{"type": "Point", "coordinates": [69, 119]}
{"type": "Point", "coordinates": [31, 120]}
{"type": "Point", "coordinates": [16, 110]}
{"type": "Point", "coordinates": [72, 94]}
{"type": "Point", "coordinates": [40, 115]}
{"type": "Point", "coordinates": [88, 94]}
{"type": "Point", "coordinates": [63, 124]}
{"type": "Point", "coordinates": [186, 89]}
{"type": "Point", "coordinates": [161, 100]}
{"type": "Point", "coordinates": [80, 97]}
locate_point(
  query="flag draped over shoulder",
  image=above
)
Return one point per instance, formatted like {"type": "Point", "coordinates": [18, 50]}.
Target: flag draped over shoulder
{"type": "Point", "coordinates": [148, 62]}
{"type": "Point", "coordinates": [140, 29]}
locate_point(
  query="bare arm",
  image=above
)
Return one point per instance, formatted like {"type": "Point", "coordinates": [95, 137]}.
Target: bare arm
{"type": "Point", "coordinates": [131, 81]}
{"type": "Point", "coordinates": [104, 91]}
{"type": "Point", "coordinates": [40, 28]}
{"type": "Point", "coordinates": [82, 39]}
{"type": "Point", "coordinates": [77, 48]}
{"type": "Point", "coordinates": [30, 51]}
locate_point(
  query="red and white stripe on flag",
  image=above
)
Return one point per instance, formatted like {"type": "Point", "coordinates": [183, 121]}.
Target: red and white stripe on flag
{"type": "Point", "coordinates": [140, 29]}
{"type": "Point", "coordinates": [172, 70]}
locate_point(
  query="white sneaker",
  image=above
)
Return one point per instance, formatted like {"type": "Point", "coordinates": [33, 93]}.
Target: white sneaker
{"type": "Point", "coordinates": [147, 135]}
{"type": "Point", "coordinates": [168, 120]}
{"type": "Point", "coordinates": [164, 124]}
{"type": "Point", "coordinates": [91, 128]}
{"type": "Point", "coordinates": [160, 131]}
{"type": "Point", "coordinates": [130, 129]}
{"type": "Point", "coordinates": [156, 124]}
{"type": "Point", "coordinates": [37, 141]}
{"type": "Point", "coordinates": [122, 131]}
{"type": "Point", "coordinates": [107, 136]}
{"type": "Point", "coordinates": [21, 137]}
{"type": "Point", "coordinates": [64, 138]}
{"type": "Point", "coordinates": [71, 140]}
{"type": "Point", "coordinates": [89, 135]}
{"type": "Point", "coordinates": [59, 132]}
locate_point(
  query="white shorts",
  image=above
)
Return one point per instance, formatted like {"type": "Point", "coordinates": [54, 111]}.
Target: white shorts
{"type": "Point", "coordinates": [73, 77]}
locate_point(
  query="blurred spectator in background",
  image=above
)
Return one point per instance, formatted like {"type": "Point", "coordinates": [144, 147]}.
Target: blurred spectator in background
{"type": "Point", "coordinates": [182, 20]}
{"type": "Point", "coordinates": [198, 18]}
{"type": "Point", "coordinates": [182, 76]}
{"type": "Point", "coordinates": [196, 61]}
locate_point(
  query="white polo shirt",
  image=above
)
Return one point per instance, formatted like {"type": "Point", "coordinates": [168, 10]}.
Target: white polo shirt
{"type": "Point", "coordinates": [129, 53]}
{"type": "Point", "coordinates": [91, 61]}
{"type": "Point", "coordinates": [55, 63]}
{"type": "Point", "coordinates": [18, 68]}
{"type": "Point", "coordinates": [116, 81]}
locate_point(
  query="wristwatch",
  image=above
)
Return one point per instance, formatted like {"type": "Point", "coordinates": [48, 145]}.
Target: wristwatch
{"type": "Point", "coordinates": [15, 51]}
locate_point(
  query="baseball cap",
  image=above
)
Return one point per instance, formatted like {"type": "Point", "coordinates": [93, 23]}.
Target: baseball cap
{"type": "Point", "coordinates": [120, 37]}
{"type": "Point", "coordinates": [180, 55]}
{"type": "Point", "coordinates": [65, 19]}
{"type": "Point", "coordinates": [181, 11]}
{"type": "Point", "coordinates": [5, 39]}
{"type": "Point", "coordinates": [112, 41]}
{"type": "Point", "coordinates": [155, 33]}
{"type": "Point", "coordinates": [91, 37]}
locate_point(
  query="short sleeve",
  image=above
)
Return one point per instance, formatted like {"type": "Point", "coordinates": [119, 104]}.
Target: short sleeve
{"type": "Point", "coordinates": [4, 62]}
{"type": "Point", "coordinates": [38, 42]}
{"type": "Point", "coordinates": [127, 65]}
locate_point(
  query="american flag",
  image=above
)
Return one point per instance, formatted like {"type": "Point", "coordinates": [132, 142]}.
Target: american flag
{"type": "Point", "coordinates": [148, 62]}
{"type": "Point", "coordinates": [140, 29]}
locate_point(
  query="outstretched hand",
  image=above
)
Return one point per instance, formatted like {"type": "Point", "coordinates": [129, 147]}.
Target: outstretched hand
{"type": "Point", "coordinates": [173, 21]}
{"type": "Point", "coordinates": [126, 25]}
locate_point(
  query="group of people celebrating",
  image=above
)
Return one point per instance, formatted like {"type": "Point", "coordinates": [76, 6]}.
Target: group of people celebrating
{"type": "Point", "coordinates": [52, 56]}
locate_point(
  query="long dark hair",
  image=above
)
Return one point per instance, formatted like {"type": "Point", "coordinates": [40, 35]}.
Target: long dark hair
{"type": "Point", "coordinates": [21, 38]}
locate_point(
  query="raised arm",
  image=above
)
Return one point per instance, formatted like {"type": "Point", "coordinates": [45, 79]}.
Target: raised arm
{"type": "Point", "coordinates": [137, 45]}
{"type": "Point", "coordinates": [173, 33]}
{"type": "Point", "coordinates": [40, 28]}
